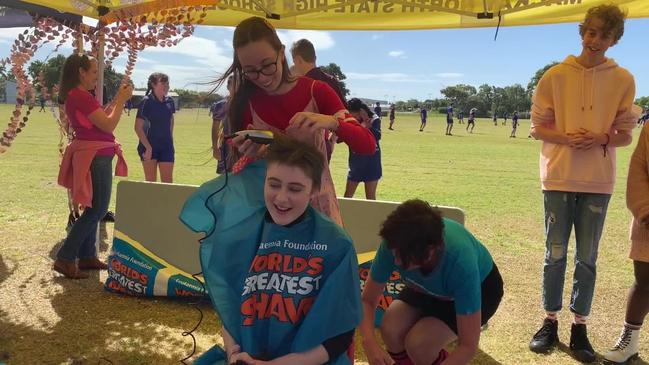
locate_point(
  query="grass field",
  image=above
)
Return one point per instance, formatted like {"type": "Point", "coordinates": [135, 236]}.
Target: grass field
{"type": "Point", "coordinates": [45, 319]}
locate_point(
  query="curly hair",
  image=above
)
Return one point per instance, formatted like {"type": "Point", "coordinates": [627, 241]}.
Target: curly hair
{"type": "Point", "coordinates": [289, 151]}
{"type": "Point", "coordinates": [611, 15]}
{"type": "Point", "coordinates": [412, 230]}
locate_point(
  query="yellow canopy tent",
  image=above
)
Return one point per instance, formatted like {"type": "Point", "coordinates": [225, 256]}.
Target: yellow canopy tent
{"type": "Point", "coordinates": [358, 14]}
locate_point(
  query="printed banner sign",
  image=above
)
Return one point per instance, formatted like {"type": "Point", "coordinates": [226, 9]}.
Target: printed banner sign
{"type": "Point", "coordinates": [134, 270]}
{"type": "Point", "coordinates": [391, 292]}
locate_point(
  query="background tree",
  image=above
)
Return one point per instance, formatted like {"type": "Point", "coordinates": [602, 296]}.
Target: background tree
{"type": "Point", "coordinates": [51, 71]}
{"type": "Point", "coordinates": [642, 101]}
{"type": "Point", "coordinates": [531, 86]}
{"type": "Point", "coordinates": [459, 96]}
{"type": "Point", "coordinates": [517, 98]}
{"type": "Point", "coordinates": [412, 104]}
{"type": "Point", "coordinates": [334, 70]}
{"type": "Point", "coordinates": [112, 80]}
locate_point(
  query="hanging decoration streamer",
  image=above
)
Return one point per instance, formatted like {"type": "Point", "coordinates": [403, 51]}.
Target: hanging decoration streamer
{"type": "Point", "coordinates": [164, 28]}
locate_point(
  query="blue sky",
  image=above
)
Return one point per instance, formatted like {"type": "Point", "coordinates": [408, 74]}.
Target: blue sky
{"type": "Point", "coordinates": [397, 65]}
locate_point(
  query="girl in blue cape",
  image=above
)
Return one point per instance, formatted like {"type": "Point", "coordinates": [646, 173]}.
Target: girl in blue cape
{"type": "Point", "coordinates": [282, 277]}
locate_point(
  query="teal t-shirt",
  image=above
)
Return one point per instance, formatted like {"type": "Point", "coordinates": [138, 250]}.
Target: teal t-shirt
{"type": "Point", "coordinates": [458, 276]}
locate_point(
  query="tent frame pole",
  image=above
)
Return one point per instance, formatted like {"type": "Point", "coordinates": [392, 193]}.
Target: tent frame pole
{"type": "Point", "coordinates": [101, 66]}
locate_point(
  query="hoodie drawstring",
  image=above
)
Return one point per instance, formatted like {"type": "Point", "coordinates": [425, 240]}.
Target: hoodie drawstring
{"type": "Point", "coordinates": [592, 88]}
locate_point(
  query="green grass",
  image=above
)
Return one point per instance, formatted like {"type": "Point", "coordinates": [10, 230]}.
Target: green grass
{"type": "Point", "coordinates": [48, 320]}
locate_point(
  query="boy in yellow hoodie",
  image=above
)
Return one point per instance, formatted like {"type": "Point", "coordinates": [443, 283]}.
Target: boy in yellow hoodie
{"type": "Point", "coordinates": [581, 110]}
{"type": "Point", "coordinates": [637, 200]}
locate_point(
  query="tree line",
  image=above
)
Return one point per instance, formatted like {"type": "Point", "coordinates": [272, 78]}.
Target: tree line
{"type": "Point", "coordinates": [487, 99]}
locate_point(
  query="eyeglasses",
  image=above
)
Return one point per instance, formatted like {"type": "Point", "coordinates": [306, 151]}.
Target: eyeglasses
{"type": "Point", "coordinates": [267, 70]}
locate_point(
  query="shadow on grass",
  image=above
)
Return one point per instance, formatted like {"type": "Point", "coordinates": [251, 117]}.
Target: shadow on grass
{"type": "Point", "coordinates": [80, 323]}
{"type": "Point", "coordinates": [103, 242]}
{"type": "Point", "coordinates": [483, 358]}
{"type": "Point", "coordinates": [4, 270]}
{"type": "Point", "coordinates": [95, 340]}
{"type": "Point", "coordinates": [600, 357]}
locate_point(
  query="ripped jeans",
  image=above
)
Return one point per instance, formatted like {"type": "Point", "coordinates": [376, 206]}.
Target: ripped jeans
{"type": "Point", "coordinates": [587, 211]}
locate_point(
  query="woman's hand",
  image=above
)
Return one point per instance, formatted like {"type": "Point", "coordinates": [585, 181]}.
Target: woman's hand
{"type": "Point", "coordinates": [125, 92]}
{"type": "Point", "coordinates": [375, 354]}
{"type": "Point", "coordinates": [216, 153]}
{"type": "Point", "coordinates": [248, 148]}
{"type": "Point", "coordinates": [148, 152]}
{"type": "Point", "coordinates": [645, 222]}
{"type": "Point", "coordinates": [584, 139]}
{"type": "Point", "coordinates": [308, 122]}
{"type": "Point", "coordinates": [242, 356]}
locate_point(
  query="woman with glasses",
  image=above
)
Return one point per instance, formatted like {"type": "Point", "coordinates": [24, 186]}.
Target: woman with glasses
{"type": "Point", "coordinates": [268, 97]}
{"type": "Point", "coordinates": [154, 126]}
{"type": "Point", "coordinates": [86, 168]}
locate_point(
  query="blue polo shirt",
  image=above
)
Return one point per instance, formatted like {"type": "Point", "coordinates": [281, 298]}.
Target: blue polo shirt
{"type": "Point", "coordinates": [157, 115]}
{"type": "Point", "coordinates": [458, 275]}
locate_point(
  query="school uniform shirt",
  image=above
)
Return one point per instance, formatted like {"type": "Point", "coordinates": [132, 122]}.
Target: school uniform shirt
{"type": "Point", "coordinates": [364, 168]}
{"type": "Point", "coordinates": [219, 109]}
{"type": "Point", "coordinates": [157, 116]}
{"type": "Point", "coordinates": [277, 289]}
{"type": "Point", "coordinates": [459, 273]}
{"type": "Point", "coordinates": [424, 114]}
{"type": "Point", "coordinates": [449, 113]}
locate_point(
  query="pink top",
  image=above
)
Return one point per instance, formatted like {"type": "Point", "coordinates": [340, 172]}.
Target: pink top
{"type": "Point", "coordinates": [74, 173]}
{"type": "Point", "coordinates": [277, 111]}
{"type": "Point", "coordinates": [78, 106]}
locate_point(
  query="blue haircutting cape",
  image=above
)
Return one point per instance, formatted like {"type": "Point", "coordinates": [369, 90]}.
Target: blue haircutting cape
{"type": "Point", "coordinates": [238, 270]}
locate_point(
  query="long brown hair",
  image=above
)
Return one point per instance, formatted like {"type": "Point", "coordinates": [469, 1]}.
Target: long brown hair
{"type": "Point", "coordinates": [249, 30]}
{"type": "Point", "coordinates": [70, 74]}
{"type": "Point", "coordinates": [155, 78]}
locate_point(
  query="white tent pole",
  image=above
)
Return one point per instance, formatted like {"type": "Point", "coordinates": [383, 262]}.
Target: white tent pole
{"type": "Point", "coordinates": [99, 91]}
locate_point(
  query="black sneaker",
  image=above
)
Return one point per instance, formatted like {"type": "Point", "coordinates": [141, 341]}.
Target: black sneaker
{"type": "Point", "coordinates": [579, 344]}
{"type": "Point", "coordinates": [545, 338]}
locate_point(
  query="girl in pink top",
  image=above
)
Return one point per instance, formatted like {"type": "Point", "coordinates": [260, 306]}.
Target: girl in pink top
{"type": "Point", "coordinates": [268, 97]}
{"type": "Point", "coordinates": [90, 123]}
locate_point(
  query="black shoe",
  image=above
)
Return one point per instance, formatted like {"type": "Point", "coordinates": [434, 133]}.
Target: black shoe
{"type": "Point", "coordinates": [109, 217]}
{"type": "Point", "coordinates": [579, 344]}
{"type": "Point", "coordinates": [545, 338]}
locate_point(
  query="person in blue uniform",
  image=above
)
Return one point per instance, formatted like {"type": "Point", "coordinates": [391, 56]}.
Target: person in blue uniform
{"type": "Point", "coordinates": [364, 168]}
{"type": "Point", "coordinates": [154, 125]}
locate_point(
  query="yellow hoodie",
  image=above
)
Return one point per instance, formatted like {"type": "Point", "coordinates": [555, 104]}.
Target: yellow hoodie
{"type": "Point", "coordinates": [569, 97]}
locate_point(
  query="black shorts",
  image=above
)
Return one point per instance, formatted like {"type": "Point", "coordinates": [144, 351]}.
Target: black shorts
{"type": "Point", "coordinates": [444, 310]}
{"type": "Point", "coordinates": [449, 121]}
{"type": "Point", "coordinates": [471, 121]}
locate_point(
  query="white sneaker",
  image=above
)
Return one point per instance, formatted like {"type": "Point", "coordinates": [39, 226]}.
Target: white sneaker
{"type": "Point", "coordinates": [626, 348]}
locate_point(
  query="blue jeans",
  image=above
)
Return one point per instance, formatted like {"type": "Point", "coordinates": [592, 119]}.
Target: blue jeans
{"type": "Point", "coordinates": [81, 239]}
{"type": "Point", "coordinates": [587, 211]}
